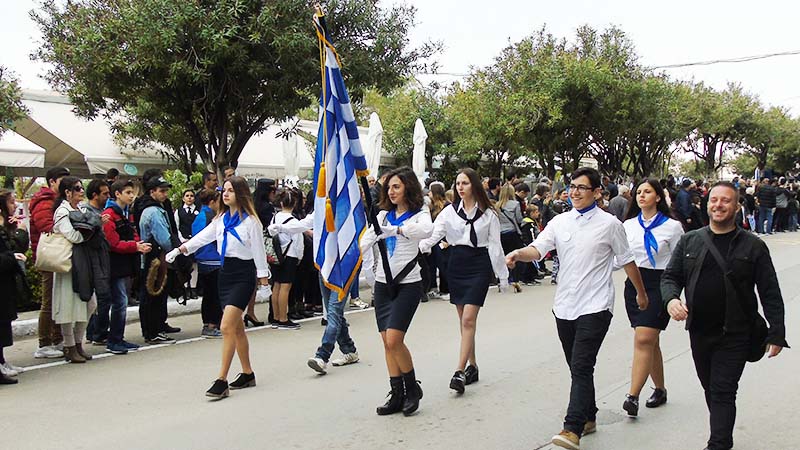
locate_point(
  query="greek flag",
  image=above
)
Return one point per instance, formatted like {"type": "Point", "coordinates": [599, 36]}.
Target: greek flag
{"type": "Point", "coordinates": [339, 217]}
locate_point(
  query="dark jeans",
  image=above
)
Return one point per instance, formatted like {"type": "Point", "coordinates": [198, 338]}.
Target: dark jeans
{"type": "Point", "coordinates": [581, 339]}
{"type": "Point", "coordinates": [719, 361]}
{"type": "Point", "coordinates": [108, 322]}
{"type": "Point", "coordinates": [337, 329]}
{"type": "Point", "coordinates": [210, 308]}
{"type": "Point", "coordinates": [152, 311]}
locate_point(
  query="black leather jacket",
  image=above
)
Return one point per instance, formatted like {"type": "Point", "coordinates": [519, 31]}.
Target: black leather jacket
{"type": "Point", "coordinates": [749, 260]}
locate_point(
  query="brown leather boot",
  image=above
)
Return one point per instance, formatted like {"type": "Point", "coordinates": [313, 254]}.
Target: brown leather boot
{"type": "Point", "coordinates": [82, 352]}
{"type": "Point", "coordinates": [71, 355]}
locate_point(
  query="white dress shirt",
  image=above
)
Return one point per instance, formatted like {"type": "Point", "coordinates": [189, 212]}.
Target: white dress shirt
{"type": "Point", "coordinates": [586, 244]}
{"type": "Point", "coordinates": [415, 229]}
{"type": "Point", "coordinates": [251, 247]}
{"type": "Point", "coordinates": [487, 228]}
{"type": "Point", "coordinates": [297, 246]}
{"type": "Point", "coordinates": [667, 235]}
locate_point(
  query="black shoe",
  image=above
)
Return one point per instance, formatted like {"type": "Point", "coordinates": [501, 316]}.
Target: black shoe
{"type": "Point", "coordinates": [458, 381]}
{"type": "Point", "coordinates": [631, 405]}
{"type": "Point", "coordinates": [296, 316]}
{"type": "Point", "coordinates": [395, 399]}
{"type": "Point", "coordinates": [170, 329]}
{"type": "Point", "coordinates": [244, 380]}
{"type": "Point", "coordinates": [5, 379]}
{"type": "Point", "coordinates": [413, 395]}
{"type": "Point", "coordinates": [218, 390]}
{"type": "Point", "coordinates": [324, 322]}
{"type": "Point", "coordinates": [160, 338]}
{"type": "Point", "coordinates": [251, 321]}
{"type": "Point", "coordinates": [658, 398]}
{"type": "Point", "coordinates": [288, 325]}
{"type": "Point", "coordinates": [470, 374]}
{"type": "Point", "coordinates": [424, 298]}
{"type": "Point", "coordinates": [307, 314]}
{"type": "Point", "coordinates": [553, 282]}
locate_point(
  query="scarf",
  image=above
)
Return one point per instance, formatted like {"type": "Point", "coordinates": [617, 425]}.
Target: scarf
{"type": "Point", "coordinates": [230, 223]}
{"type": "Point", "coordinates": [473, 236]}
{"type": "Point", "coordinates": [587, 209]}
{"type": "Point", "coordinates": [391, 242]}
{"type": "Point", "coordinates": [650, 242]}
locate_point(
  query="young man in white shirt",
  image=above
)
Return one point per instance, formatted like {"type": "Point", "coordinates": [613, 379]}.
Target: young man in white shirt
{"type": "Point", "coordinates": [587, 240]}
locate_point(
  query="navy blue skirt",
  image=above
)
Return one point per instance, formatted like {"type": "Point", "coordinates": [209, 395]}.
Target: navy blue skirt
{"type": "Point", "coordinates": [655, 316]}
{"type": "Point", "coordinates": [237, 282]}
{"type": "Point", "coordinates": [468, 275]}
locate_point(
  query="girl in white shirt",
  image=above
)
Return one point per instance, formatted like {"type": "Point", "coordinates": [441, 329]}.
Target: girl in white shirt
{"type": "Point", "coordinates": [240, 244]}
{"type": "Point", "coordinates": [652, 235]}
{"type": "Point", "coordinates": [405, 222]}
{"type": "Point", "coordinates": [284, 274]}
{"type": "Point", "coordinates": [472, 229]}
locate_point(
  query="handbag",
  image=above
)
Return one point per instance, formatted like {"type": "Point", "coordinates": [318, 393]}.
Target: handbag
{"type": "Point", "coordinates": [758, 326]}
{"type": "Point", "coordinates": [54, 253]}
{"type": "Point", "coordinates": [272, 244]}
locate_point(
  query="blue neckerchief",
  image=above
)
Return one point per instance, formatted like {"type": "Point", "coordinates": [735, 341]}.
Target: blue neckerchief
{"type": "Point", "coordinates": [650, 242]}
{"type": "Point", "coordinates": [587, 209]}
{"type": "Point", "coordinates": [391, 242]}
{"type": "Point", "coordinates": [230, 222]}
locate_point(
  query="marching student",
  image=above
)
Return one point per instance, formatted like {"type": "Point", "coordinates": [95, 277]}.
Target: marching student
{"type": "Point", "coordinates": [472, 229]}
{"type": "Point", "coordinates": [404, 223]}
{"type": "Point", "coordinates": [243, 258]}
{"type": "Point", "coordinates": [208, 264]}
{"type": "Point", "coordinates": [652, 236]}
{"type": "Point", "coordinates": [588, 240]}
{"type": "Point", "coordinates": [284, 274]}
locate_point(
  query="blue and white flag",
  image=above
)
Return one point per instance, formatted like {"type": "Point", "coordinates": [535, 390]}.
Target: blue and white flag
{"type": "Point", "coordinates": [339, 216]}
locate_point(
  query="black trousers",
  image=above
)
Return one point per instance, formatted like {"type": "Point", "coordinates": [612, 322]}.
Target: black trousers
{"type": "Point", "coordinates": [152, 312]}
{"type": "Point", "coordinates": [719, 361]}
{"type": "Point", "coordinates": [581, 339]}
{"type": "Point", "coordinates": [210, 308]}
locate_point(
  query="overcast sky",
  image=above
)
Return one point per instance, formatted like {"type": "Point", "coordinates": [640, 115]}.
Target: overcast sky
{"type": "Point", "coordinates": [474, 32]}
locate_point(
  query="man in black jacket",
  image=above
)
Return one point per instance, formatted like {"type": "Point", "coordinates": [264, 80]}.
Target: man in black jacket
{"type": "Point", "coordinates": [722, 315]}
{"type": "Point", "coordinates": [766, 199]}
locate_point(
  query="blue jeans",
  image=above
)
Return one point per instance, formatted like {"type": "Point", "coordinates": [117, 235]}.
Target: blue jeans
{"type": "Point", "coordinates": [765, 214]}
{"type": "Point", "coordinates": [337, 328]}
{"type": "Point", "coordinates": [117, 306]}
{"type": "Point", "coordinates": [793, 222]}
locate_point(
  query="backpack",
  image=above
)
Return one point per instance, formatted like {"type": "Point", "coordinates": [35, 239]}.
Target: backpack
{"type": "Point", "coordinates": [275, 255]}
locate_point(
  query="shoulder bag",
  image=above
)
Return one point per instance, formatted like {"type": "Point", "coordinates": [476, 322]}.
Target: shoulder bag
{"type": "Point", "coordinates": [54, 252]}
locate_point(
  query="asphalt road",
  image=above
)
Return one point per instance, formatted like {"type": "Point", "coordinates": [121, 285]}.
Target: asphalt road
{"type": "Point", "coordinates": [154, 399]}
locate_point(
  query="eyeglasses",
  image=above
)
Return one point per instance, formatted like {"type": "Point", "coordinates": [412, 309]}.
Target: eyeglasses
{"type": "Point", "coordinates": [580, 188]}
{"type": "Point", "coordinates": [77, 188]}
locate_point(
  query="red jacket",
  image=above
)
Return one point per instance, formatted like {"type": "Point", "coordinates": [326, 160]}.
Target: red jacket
{"type": "Point", "coordinates": [115, 244]}
{"type": "Point", "coordinates": [41, 220]}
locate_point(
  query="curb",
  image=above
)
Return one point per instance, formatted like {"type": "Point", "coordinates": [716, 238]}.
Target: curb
{"type": "Point", "coordinates": [30, 327]}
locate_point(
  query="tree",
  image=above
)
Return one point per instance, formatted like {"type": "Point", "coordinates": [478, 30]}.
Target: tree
{"type": "Point", "coordinates": [11, 106]}
{"type": "Point", "coordinates": [202, 77]}
{"type": "Point", "coordinates": [767, 130]}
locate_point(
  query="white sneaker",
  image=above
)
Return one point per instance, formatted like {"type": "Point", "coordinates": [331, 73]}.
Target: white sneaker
{"type": "Point", "coordinates": [348, 358]}
{"type": "Point", "coordinates": [8, 370]}
{"type": "Point", "coordinates": [318, 365]}
{"type": "Point", "coordinates": [48, 352]}
{"type": "Point", "coordinates": [357, 303]}
{"type": "Point", "coordinates": [445, 296]}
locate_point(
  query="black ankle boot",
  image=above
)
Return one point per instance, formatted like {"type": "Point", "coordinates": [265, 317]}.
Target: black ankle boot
{"type": "Point", "coordinates": [413, 393]}
{"type": "Point", "coordinates": [394, 403]}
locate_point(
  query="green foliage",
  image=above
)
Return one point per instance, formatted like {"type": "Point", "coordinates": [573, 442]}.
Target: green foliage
{"type": "Point", "coordinates": [11, 107]}
{"type": "Point", "coordinates": [180, 182]}
{"type": "Point", "coordinates": [201, 78]}
{"type": "Point", "coordinates": [34, 279]}
{"type": "Point", "coordinates": [744, 164]}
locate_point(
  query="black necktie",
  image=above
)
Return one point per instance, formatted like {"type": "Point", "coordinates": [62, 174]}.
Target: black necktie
{"type": "Point", "coordinates": [473, 236]}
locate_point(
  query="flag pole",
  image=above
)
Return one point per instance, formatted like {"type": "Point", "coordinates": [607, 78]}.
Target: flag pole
{"type": "Point", "coordinates": [372, 214]}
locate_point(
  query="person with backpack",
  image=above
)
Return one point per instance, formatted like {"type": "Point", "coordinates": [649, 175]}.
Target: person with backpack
{"type": "Point", "coordinates": [284, 269]}
{"type": "Point", "coordinates": [124, 249]}
{"type": "Point", "coordinates": [404, 223]}
{"type": "Point", "coordinates": [472, 229]}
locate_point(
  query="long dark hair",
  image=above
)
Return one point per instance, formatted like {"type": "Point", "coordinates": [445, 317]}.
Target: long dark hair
{"type": "Point", "coordinates": [243, 197]}
{"type": "Point", "coordinates": [67, 185]}
{"type": "Point", "coordinates": [5, 194]}
{"type": "Point", "coordinates": [478, 193]}
{"type": "Point", "coordinates": [413, 190]}
{"type": "Point", "coordinates": [661, 206]}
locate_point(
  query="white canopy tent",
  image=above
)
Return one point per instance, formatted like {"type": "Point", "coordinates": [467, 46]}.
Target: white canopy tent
{"type": "Point", "coordinates": [88, 146]}
{"type": "Point", "coordinates": [20, 153]}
